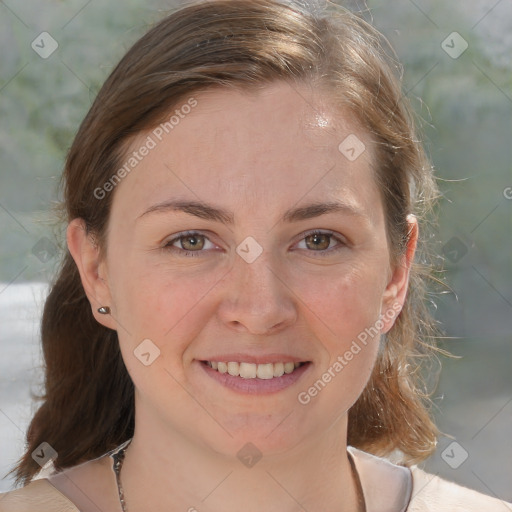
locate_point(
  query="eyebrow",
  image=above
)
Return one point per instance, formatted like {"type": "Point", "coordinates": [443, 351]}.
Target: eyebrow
{"type": "Point", "coordinates": [210, 212]}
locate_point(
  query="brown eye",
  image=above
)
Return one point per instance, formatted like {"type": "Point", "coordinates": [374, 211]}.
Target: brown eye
{"type": "Point", "coordinates": [191, 242]}
{"type": "Point", "coordinates": [320, 241]}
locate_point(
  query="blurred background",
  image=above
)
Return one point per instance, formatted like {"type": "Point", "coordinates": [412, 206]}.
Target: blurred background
{"type": "Point", "coordinates": [457, 59]}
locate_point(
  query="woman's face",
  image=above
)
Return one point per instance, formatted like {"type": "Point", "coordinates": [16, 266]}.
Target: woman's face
{"type": "Point", "coordinates": [252, 285]}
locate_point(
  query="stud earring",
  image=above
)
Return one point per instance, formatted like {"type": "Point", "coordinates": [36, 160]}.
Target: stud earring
{"type": "Point", "coordinates": [104, 310]}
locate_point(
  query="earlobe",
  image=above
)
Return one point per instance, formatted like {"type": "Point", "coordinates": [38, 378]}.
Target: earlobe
{"type": "Point", "coordinates": [396, 290]}
{"type": "Point", "coordinates": [92, 269]}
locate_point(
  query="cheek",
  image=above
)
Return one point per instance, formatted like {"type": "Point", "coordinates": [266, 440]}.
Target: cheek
{"type": "Point", "coordinates": [345, 311]}
{"type": "Point", "coordinates": [163, 305]}
{"type": "Point", "coordinates": [343, 303]}
{"type": "Point", "coordinates": [155, 305]}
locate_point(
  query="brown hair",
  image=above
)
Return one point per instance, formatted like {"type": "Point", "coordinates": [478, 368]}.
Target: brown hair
{"type": "Point", "coordinates": [88, 404]}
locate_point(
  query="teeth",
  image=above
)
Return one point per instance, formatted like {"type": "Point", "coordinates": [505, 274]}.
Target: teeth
{"type": "Point", "coordinates": [278, 369]}
{"type": "Point", "coordinates": [248, 371]}
{"type": "Point", "coordinates": [234, 369]}
{"type": "Point", "coordinates": [265, 371]}
{"type": "Point", "coordinates": [289, 367]}
{"type": "Point", "coordinates": [252, 370]}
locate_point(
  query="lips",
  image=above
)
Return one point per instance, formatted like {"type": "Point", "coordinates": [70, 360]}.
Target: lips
{"type": "Point", "coordinates": [254, 375]}
{"type": "Point", "coordinates": [245, 370]}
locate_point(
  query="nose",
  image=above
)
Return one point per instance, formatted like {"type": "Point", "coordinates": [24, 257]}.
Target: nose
{"type": "Point", "coordinates": [257, 298]}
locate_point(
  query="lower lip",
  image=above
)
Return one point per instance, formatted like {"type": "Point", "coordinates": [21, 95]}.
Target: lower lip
{"type": "Point", "coordinates": [256, 386]}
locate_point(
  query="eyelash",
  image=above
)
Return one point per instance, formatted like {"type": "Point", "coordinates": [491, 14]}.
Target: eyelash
{"type": "Point", "coordinates": [168, 246]}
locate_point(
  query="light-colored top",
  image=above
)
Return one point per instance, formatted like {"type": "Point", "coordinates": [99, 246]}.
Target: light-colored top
{"type": "Point", "coordinates": [387, 487]}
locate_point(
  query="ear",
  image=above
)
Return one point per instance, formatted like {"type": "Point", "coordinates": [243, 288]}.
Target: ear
{"type": "Point", "coordinates": [396, 289]}
{"type": "Point", "coordinates": [93, 271]}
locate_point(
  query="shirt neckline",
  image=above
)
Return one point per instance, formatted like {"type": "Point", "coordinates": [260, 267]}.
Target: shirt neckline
{"type": "Point", "coordinates": [386, 487]}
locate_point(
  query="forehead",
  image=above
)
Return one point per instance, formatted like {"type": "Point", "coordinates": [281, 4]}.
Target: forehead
{"type": "Point", "coordinates": [258, 148]}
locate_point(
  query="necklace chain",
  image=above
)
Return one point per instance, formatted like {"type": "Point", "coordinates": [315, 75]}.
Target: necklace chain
{"type": "Point", "coordinates": [118, 462]}
{"type": "Point", "coordinates": [118, 457]}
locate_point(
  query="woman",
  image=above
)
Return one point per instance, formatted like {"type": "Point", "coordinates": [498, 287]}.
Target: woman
{"type": "Point", "coordinates": [238, 320]}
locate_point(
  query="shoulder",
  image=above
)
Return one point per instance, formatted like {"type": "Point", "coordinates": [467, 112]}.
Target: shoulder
{"type": "Point", "coordinates": [87, 487]}
{"type": "Point", "coordinates": [38, 495]}
{"type": "Point", "coordinates": [391, 487]}
{"type": "Point", "coordinates": [429, 493]}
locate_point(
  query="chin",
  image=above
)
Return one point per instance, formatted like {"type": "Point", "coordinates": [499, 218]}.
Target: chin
{"type": "Point", "coordinates": [259, 436]}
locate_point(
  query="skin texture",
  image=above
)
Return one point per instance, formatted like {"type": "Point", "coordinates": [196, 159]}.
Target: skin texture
{"type": "Point", "coordinates": [256, 154]}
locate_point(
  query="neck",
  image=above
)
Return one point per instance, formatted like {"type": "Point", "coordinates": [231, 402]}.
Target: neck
{"type": "Point", "coordinates": [165, 470]}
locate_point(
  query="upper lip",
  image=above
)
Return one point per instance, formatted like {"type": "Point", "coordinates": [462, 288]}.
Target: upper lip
{"type": "Point", "coordinates": [255, 359]}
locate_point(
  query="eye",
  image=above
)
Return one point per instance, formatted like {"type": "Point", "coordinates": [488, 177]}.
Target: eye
{"type": "Point", "coordinates": [320, 241]}
{"type": "Point", "coordinates": [191, 242]}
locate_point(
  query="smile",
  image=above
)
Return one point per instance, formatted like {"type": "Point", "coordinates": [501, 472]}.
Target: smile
{"type": "Point", "coordinates": [255, 378]}
{"type": "Point", "coordinates": [263, 371]}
